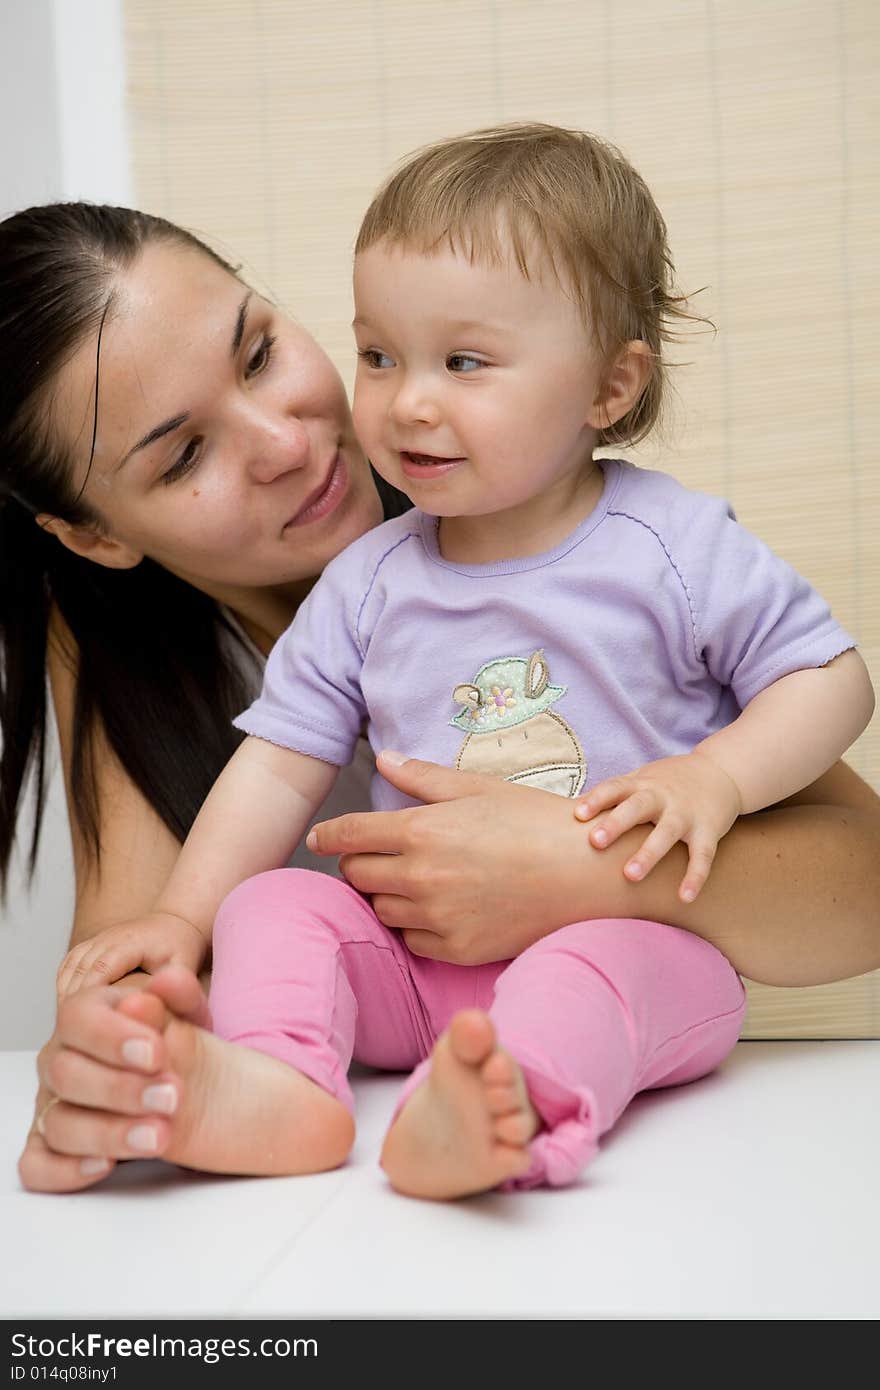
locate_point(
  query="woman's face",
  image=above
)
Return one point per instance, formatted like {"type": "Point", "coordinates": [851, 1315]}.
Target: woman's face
{"type": "Point", "coordinates": [224, 447]}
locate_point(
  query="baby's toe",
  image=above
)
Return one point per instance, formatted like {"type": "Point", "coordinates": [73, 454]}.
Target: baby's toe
{"type": "Point", "coordinates": [144, 1007]}
{"type": "Point", "coordinates": [500, 1069]}
{"type": "Point", "coordinates": [515, 1129]}
{"type": "Point", "coordinates": [503, 1100]}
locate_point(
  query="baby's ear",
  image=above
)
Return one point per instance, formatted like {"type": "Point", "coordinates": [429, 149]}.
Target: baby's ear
{"type": "Point", "coordinates": [89, 544]}
{"type": "Point", "coordinates": [622, 384]}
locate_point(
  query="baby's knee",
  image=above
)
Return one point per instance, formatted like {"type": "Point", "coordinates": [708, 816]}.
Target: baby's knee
{"type": "Point", "coordinates": [285, 896]}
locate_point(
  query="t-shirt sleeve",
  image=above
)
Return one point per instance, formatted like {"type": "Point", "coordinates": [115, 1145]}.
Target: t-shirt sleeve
{"type": "Point", "coordinates": [755, 618]}
{"type": "Point", "coordinates": [311, 698]}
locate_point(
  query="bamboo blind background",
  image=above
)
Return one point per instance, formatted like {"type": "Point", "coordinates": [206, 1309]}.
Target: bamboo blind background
{"type": "Point", "coordinates": [266, 126]}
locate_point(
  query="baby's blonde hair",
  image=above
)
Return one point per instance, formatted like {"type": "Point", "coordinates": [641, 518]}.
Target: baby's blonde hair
{"type": "Point", "coordinates": [575, 199]}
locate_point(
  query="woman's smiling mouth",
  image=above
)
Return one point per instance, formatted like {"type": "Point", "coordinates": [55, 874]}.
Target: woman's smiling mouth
{"type": "Point", "coordinates": [325, 498]}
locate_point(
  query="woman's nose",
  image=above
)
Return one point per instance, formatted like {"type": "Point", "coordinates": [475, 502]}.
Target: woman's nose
{"type": "Point", "coordinates": [277, 446]}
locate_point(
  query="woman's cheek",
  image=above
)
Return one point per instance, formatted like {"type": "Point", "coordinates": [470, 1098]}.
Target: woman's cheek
{"type": "Point", "coordinates": [210, 516]}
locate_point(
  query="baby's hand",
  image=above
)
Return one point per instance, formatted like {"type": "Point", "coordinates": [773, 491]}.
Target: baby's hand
{"type": "Point", "coordinates": [687, 798]}
{"type": "Point", "coordinates": [146, 943]}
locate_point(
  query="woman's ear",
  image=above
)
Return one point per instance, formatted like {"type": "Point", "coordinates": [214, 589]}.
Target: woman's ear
{"type": "Point", "coordinates": [622, 384]}
{"type": "Point", "coordinates": [115, 555]}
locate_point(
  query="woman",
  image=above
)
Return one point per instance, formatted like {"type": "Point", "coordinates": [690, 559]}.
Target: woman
{"type": "Point", "coordinates": [179, 463]}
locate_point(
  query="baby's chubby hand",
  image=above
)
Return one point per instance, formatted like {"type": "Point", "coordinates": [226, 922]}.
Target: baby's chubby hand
{"type": "Point", "coordinates": [688, 798]}
{"type": "Point", "coordinates": [145, 943]}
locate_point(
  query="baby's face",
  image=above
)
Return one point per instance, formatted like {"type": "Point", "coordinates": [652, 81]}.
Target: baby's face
{"type": "Point", "coordinates": [476, 388]}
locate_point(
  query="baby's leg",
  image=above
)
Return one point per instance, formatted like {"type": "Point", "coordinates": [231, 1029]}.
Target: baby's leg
{"type": "Point", "coordinates": [585, 1019]}
{"type": "Point", "coordinates": [303, 974]}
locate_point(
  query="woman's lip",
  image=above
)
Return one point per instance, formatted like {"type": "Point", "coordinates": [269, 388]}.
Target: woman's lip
{"type": "Point", "coordinates": [325, 498]}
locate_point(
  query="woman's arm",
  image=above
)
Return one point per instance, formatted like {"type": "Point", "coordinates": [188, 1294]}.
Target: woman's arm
{"type": "Point", "coordinates": [138, 850]}
{"type": "Point", "coordinates": [85, 1065]}
{"type": "Point", "coordinates": [794, 894]}
{"type": "Point", "coordinates": [489, 867]}
{"type": "Point", "coordinates": [82, 1063]}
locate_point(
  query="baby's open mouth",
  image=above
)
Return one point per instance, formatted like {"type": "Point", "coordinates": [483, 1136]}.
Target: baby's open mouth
{"type": "Point", "coordinates": [428, 460]}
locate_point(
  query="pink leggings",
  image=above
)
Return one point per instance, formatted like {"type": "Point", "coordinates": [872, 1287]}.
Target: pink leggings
{"type": "Point", "coordinates": [593, 1013]}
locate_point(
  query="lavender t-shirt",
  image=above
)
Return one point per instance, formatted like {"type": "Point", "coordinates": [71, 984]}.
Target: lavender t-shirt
{"type": "Point", "coordinates": [647, 629]}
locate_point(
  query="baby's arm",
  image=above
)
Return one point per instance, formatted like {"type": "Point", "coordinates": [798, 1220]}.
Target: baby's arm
{"type": "Point", "coordinates": [786, 737]}
{"type": "Point", "coordinates": [252, 820]}
{"type": "Point", "coordinates": [793, 731]}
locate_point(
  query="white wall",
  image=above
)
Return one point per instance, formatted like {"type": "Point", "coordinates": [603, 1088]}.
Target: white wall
{"type": "Point", "coordinates": [62, 137]}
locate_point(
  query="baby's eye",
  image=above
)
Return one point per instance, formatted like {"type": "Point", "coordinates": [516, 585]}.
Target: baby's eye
{"type": "Point", "coordinates": [374, 358]}
{"type": "Point", "coordinates": [463, 362]}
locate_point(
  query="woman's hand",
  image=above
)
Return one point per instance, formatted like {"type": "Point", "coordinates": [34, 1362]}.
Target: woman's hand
{"type": "Point", "coordinates": [104, 1089]}
{"type": "Point", "coordinates": [491, 867]}
{"type": "Point", "coordinates": [688, 799]}
{"type": "Point", "coordinates": [146, 943]}
{"type": "Point", "coordinates": [478, 875]}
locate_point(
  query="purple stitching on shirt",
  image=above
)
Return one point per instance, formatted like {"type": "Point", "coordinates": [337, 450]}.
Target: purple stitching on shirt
{"type": "Point", "coordinates": [691, 602]}
{"type": "Point", "coordinates": [410, 536]}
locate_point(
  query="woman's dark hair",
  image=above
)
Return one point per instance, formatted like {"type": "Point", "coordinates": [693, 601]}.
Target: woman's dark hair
{"type": "Point", "coordinates": [159, 666]}
{"type": "Point", "coordinates": [154, 660]}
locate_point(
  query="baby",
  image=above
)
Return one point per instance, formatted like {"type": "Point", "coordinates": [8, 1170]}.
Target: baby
{"type": "Point", "coordinates": [542, 615]}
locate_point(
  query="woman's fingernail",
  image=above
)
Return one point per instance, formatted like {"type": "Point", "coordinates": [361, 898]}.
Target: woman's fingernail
{"type": "Point", "coordinates": [91, 1167]}
{"type": "Point", "coordinates": [393, 759]}
{"type": "Point", "coordinates": [688, 895]}
{"type": "Point", "coordinates": [600, 837]}
{"type": "Point", "coordinates": [143, 1138]}
{"type": "Point", "coordinates": [138, 1051]}
{"type": "Point", "coordinates": [161, 1098]}
{"type": "Point", "coordinates": [634, 870]}
{"type": "Point", "coordinates": [312, 840]}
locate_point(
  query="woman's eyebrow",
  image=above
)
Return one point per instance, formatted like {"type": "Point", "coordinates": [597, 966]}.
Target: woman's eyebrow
{"type": "Point", "coordinates": [240, 324]}
{"type": "Point", "coordinates": [167, 426]}
{"type": "Point", "coordinates": [156, 433]}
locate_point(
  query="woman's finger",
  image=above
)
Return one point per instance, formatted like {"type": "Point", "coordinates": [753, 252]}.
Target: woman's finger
{"type": "Point", "coordinates": [427, 944]}
{"type": "Point", "coordinates": [396, 912]}
{"type": "Point", "coordinates": [374, 873]}
{"type": "Point", "coordinates": [429, 782]}
{"type": "Point", "coordinates": [359, 832]}
{"type": "Point", "coordinates": [73, 1077]}
{"type": "Point", "coordinates": [41, 1170]}
{"type": "Point", "coordinates": [91, 1023]}
{"type": "Point", "coordinates": [86, 1133]}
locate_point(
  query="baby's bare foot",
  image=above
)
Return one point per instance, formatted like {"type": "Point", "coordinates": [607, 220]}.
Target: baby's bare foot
{"type": "Point", "coordinates": [238, 1111]}
{"type": "Point", "coordinates": [467, 1127]}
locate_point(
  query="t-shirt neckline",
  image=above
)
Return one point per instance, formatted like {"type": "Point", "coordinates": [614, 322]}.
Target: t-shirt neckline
{"type": "Point", "coordinates": [430, 526]}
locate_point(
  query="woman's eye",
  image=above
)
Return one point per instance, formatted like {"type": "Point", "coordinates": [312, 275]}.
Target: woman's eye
{"type": "Point", "coordinates": [374, 358]}
{"type": "Point", "coordinates": [185, 462]}
{"type": "Point", "coordinates": [261, 358]}
{"type": "Point", "coordinates": [463, 362]}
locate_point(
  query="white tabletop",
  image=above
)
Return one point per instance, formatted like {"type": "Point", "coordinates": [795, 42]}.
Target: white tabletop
{"type": "Point", "coordinates": [751, 1194]}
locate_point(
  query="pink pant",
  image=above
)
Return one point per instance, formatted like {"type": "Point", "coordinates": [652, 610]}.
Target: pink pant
{"type": "Point", "coordinates": [593, 1013]}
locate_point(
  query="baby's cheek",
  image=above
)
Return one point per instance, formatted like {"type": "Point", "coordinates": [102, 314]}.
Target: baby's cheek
{"type": "Point", "coordinates": [366, 412]}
